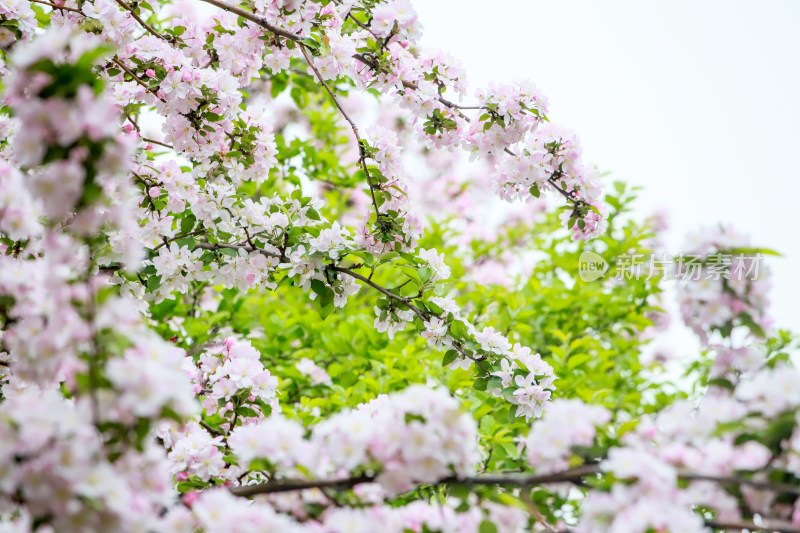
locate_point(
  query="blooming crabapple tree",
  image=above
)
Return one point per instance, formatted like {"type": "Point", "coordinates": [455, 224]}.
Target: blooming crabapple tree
{"type": "Point", "coordinates": [250, 282]}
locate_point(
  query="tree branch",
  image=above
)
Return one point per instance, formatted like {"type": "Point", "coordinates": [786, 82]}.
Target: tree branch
{"type": "Point", "coordinates": [153, 141]}
{"type": "Point", "coordinates": [138, 19]}
{"type": "Point", "coordinates": [773, 527]}
{"type": "Point", "coordinates": [254, 18]}
{"type": "Point", "coordinates": [130, 73]}
{"type": "Point", "coordinates": [405, 301]}
{"type": "Point", "coordinates": [361, 154]}
{"type": "Point", "coordinates": [181, 236]}
{"type": "Point", "coordinates": [737, 480]}
{"type": "Point", "coordinates": [572, 475]}
{"type": "Point", "coordinates": [567, 476]}
{"type": "Point", "coordinates": [220, 246]}
{"type": "Point", "coordinates": [54, 6]}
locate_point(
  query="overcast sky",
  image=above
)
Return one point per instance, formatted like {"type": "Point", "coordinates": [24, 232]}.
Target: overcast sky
{"type": "Point", "coordinates": [696, 101]}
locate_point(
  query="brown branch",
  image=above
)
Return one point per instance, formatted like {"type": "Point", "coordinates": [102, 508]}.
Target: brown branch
{"type": "Point", "coordinates": [362, 155]}
{"type": "Point", "coordinates": [178, 237]}
{"type": "Point", "coordinates": [737, 480]}
{"type": "Point", "coordinates": [773, 527]}
{"type": "Point", "coordinates": [210, 429]}
{"type": "Point", "coordinates": [54, 6]}
{"type": "Point", "coordinates": [254, 18]}
{"type": "Point", "coordinates": [525, 496]}
{"type": "Point", "coordinates": [405, 301]}
{"type": "Point", "coordinates": [153, 141]}
{"type": "Point", "coordinates": [567, 476]}
{"type": "Point", "coordinates": [573, 475]}
{"type": "Point", "coordinates": [136, 78]}
{"type": "Point", "coordinates": [272, 487]}
{"type": "Point", "coordinates": [144, 24]}
{"type": "Point", "coordinates": [220, 246]}
{"type": "Point", "coordinates": [130, 119]}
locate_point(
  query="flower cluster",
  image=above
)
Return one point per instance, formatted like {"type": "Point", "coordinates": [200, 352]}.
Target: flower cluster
{"type": "Point", "coordinates": [146, 172]}
{"type": "Point", "coordinates": [56, 463]}
{"type": "Point", "coordinates": [567, 424]}
{"type": "Point", "coordinates": [193, 451]}
{"type": "Point", "coordinates": [703, 442]}
{"type": "Point", "coordinates": [230, 375]}
{"type": "Point", "coordinates": [423, 516]}
{"type": "Point", "coordinates": [418, 435]}
{"type": "Point", "coordinates": [724, 284]}
{"type": "Point", "coordinates": [309, 368]}
{"type": "Point", "coordinates": [511, 111]}
{"type": "Point", "coordinates": [200, 222]}
{"type": "Point", "coordinates": [88, 378]}
{"type": "Point", "coordinates": [532, 376]}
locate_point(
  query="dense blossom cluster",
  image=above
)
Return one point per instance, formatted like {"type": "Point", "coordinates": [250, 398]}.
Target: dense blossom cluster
{"type": "Point", "coordinates": [682, 440]}
{"type": "Point", "coordinates": [145, 167]}
{"type": "Point", "coordinates": [416, 436]}
{"type": "Point", "coordinates": [568, 424]}
{"type": "Point", "coordinates": [81, 463]}
{"type": "Point", "coordinates": [725, 283]}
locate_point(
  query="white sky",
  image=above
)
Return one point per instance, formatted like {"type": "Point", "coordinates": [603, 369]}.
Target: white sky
{"type": "Point", "coordinates": [697, 101]}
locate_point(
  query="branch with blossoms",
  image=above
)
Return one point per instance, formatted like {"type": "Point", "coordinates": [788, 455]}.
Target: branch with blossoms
{"type": "Point", "coordinates": [206, 124]}
{"type": "Point", "coordinates": [576, 476]}
{"type": "Point", "coordinates": [105, 424]}
{"type": "Point", "coordinates": [559, 173]}
{"type": "Point", "coordinates": [441, 328]}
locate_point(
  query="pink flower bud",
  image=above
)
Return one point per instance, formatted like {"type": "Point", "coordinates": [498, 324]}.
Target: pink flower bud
{"type": "Point", "coordinates": [150, 73]}
{"type": "Point", "coordinates": [187, 76]}
{"type": "Point", "coordinates": [154, 192]}
{"type": "Point", "coordinates": [190, 497]}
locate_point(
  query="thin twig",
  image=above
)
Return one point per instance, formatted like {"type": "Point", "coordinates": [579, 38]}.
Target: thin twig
{"type": "Point", "coordinates": [55, 6]}
{"type": "Point", "coordinates": [220, 246]}
{"type": "Point", "coordinates": [772, 527]}
{"type": "Point", "coordinates": [253, 18]}
{"type": "Point", "coordinates": [153, 141]}
{"type": "Point", "coordinates": [210, 429]}
{"type": "Point", "coordinates": [144, 24]}
{"type": "Point", "coordinates": [362, 155]}
{"type": "Point", "coordinates": [136, 78]}
{"type": "Point", "coordinates": [567, 476]}
{"type": "Point", "coordinates": [737, 480]}
{"type": "Point", "coordinates": [405, 301]}
{"type": "Point", "coordinates": [178, 237]}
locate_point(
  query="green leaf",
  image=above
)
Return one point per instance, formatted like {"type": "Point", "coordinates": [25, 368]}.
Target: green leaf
{"type": "Point", "coordinates": [153, 283]}
{"type": "Point", "coordinates": [577, 360]}
{"type": "Point", "coordinates": [480, 384]}
{"type": "Point", "coordinates": [458, 329]}
{"type": "Point", "coordinates": [487, 527]}
{"type": "Point", "coordinates": [449, 357]}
